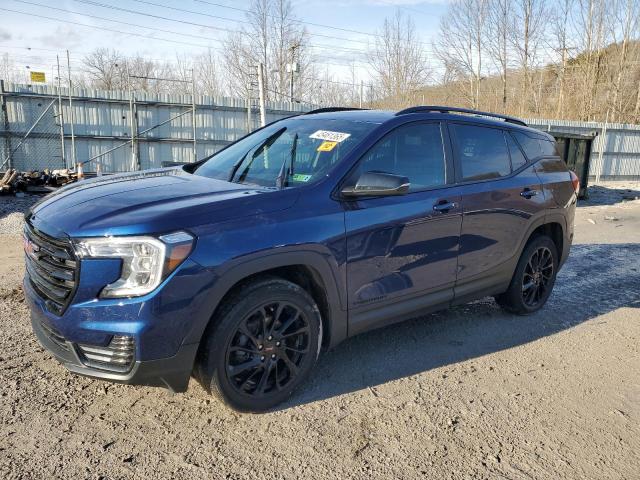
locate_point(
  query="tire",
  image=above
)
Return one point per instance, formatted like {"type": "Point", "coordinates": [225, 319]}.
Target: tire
{"type": "Point", "coordinates": [268, 326]}
{"type": "Point", "coordinates": [533, 279]}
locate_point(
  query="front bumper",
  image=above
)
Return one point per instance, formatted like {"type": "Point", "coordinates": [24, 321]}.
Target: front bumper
{"type": "Point", "coordinates": [158, 326]}
{"type": "Point", "coordinates": [172, 372]}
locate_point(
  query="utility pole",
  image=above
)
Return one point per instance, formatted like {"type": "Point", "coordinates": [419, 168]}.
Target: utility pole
{"type": "Point", "coordinates": [293, 68]}
{"type": "Point", "coordinates": [60, 113]}
{"type": "Point", "coordinates": [5, 116]}
{"type": "Point", "coordinates": [263, 116]}
{"type": "Point", "coordinates": [133, 122]}
{"type": "Point", "coordinates": [361, 93]}
{"type": "Point", "coordinates": [193, 117]}
{"type": "Point", "coordinates": [73, 137]}
{"type": "Point", "coordinates": [249, 119]}
{"type": "Point", "coordinates": [603, 144]}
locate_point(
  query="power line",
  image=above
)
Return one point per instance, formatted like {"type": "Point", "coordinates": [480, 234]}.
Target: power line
{"type": "Point", "coordinates": [103, 28]}
{"type": "Point", "coordinates": [169, 19]}
{"type": "Point", "coordinates": [194, 12]}
{"type": "Point", "coordinates": [118, 21]}
{"type": "Point", "coordinates": [293, 20]}
{"type": "Point", "coordinates": [353, 50]}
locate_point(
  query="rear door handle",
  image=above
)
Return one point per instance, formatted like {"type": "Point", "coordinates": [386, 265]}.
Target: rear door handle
{"type": "Point", "coordinates": [444, 206]}
{"type": "Point", "coordinates": [528, 193]}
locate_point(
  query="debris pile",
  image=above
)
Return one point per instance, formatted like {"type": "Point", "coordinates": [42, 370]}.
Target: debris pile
{"type": "Point", "coordinates": [35, 181]}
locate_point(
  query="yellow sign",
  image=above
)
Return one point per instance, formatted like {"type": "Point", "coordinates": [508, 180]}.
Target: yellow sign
{"type": "Point", "coordinates": [38, 77]}
{"type": "Point", "coordinates": [327, 146]}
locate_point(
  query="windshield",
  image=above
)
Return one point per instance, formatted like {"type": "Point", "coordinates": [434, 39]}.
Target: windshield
{"type": "Point", "coordinates": [289, 153]}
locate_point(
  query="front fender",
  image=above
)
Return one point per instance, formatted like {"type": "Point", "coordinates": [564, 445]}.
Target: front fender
{"type": "Point", "coordinates": [322, 263]}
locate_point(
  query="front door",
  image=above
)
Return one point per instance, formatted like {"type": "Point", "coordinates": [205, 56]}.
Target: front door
{"type": "Point", "coordinates": [402, 250]}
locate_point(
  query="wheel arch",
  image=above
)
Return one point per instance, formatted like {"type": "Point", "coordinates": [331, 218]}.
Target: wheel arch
{"type": "Point", "coordinates": [308, 269]}
{"type": "Point", "coordinates": [553, 230]}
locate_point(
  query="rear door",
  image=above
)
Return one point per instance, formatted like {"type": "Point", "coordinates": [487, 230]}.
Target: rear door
{"type": "Point", "coordinates": [501, 195]}
{"type": "Point", "coordinates": [402, 250]}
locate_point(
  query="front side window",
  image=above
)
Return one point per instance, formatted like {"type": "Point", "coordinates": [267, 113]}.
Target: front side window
{"type": "Point", "coordinates": [415, 151]}
{"type": "Point", "coordinates": [483, 152]}
{"type": "Point", "coordinates": [290, 153]}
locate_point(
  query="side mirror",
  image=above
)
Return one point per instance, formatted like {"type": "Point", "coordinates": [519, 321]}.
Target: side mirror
{"type": "Point", "coordinates": [375, 184]}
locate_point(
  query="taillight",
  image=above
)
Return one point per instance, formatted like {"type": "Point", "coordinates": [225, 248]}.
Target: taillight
{"type": "Point", "coordinates": [575, 181]}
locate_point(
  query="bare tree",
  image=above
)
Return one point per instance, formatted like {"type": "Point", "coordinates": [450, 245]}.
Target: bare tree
{"type": "Point", "coordinates": [591, 24]}
{"type": "Point", "coordinates": [527, 33]}
{"type": "Point", "coordinates": [626, 24]}
{"type": "Point", "coordinates": [208, 75]}
{"type": "Point", "coordinates": [274, 38]}
{"type": "Point", "coordinates": [560, 16]}
{"type": "Point", "coordinates": [397, 60]}
{"type": "Point", "coordinates": [461, 44]}
{"type": "Point", "coordinates": [8, 70]}
{"type": "Point", "coordinates": [105, 69]}
{"type": "Point", "coordinates": [498, 27]}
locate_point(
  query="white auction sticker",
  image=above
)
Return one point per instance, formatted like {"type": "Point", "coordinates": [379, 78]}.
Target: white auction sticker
{"type": "Point", "coordinates": [330, 136]}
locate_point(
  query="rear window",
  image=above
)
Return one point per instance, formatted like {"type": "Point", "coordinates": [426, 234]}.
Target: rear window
{"type": "Point", "coordinates": [483, 152]}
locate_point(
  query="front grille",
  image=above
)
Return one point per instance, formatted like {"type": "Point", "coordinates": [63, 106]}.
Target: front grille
{"type": "Point", "coordinates": [55, 336]}
{"type": "Point", "coordinates": [118, 356]}
{"type": "Point", "coordinates": [52, 268]}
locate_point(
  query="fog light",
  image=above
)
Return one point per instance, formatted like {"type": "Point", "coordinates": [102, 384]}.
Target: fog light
{"type": "Point", "coordinates": [118, 356]}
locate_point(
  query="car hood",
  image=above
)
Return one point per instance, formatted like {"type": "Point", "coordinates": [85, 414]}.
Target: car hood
{"type": "Point", "coordinates": [153, 201]}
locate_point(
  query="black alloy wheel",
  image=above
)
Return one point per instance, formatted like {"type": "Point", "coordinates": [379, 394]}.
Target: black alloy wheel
{"type": "Point", "coordinates": [265, 353]}
{"type": "Point", "coordinates": [533, 279]}
{"type": "Point", "coordinates": [260, 345]}
{"type": "Point", "coordinates": [537, 276]}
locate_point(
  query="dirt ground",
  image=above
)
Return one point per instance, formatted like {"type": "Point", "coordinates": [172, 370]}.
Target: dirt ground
{"type": "Point", "coordinates": [468, 393]}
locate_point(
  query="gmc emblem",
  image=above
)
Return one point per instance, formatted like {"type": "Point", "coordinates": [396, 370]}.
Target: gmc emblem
{"type": "Point", "coordinates": [31, 248]}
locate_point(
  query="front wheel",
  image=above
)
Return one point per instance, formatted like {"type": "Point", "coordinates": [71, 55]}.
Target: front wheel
{"type": "Point", "coordinates": [264, 342]}
{"type": "Point", "coordinates": [533, 279]}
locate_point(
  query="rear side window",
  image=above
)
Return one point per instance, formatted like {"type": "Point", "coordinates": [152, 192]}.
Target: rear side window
{"type": "Point", "coordinates": [530, 145]}
{"type": "Point", "coordinates": [414, 151]}
{"type": "Point", "coordinates": [535, 147]}
{"type": "Point", "coordinates": [517, 157]}
{"type": "Point", "coordinates": [549, 148]}
{"type": "Point", "coordinates": [483, 152]}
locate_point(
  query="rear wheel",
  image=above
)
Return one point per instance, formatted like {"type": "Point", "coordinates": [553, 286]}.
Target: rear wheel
{"type": "Point", "coordinates": [264, 343]}
{"type": "Point", "coordinates": [533, 279]}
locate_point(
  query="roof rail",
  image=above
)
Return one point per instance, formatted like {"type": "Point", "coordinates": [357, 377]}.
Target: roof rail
{"type": "Point", "coordinates": [332, 109]}
{"type": "Point", "coordinates": [436, 108]}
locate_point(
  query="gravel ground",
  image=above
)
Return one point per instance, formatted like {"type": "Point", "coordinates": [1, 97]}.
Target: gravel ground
{"type": "Point", "coordinates": [468, 393]}
{"type": "Point", "coordinates": [12, 212]}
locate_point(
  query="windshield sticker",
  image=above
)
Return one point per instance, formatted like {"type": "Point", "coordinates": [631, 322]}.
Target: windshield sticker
{"type": "Point", "coordinates": [327, 146]}
{"type": "Point", "coordinates": [330, 136]}
{"type": "Point", "coordinates": [298, 177]}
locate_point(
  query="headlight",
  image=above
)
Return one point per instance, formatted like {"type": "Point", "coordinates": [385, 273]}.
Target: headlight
{"type": "Point", "coordinates": [146, 261]}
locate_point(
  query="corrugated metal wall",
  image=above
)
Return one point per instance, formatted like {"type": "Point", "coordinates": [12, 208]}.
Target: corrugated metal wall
{"type": "Point", "coordinates": [102, 121]}
{"type": "Point", "coordinates": [620, 146]}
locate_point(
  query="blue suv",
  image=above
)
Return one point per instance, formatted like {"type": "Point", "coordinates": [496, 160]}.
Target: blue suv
{"type": "Point", "coordinates": [240, 269]}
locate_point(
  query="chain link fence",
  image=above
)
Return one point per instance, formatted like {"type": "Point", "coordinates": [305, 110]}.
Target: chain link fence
{"type": "Point", "coordinates": [117, 131]}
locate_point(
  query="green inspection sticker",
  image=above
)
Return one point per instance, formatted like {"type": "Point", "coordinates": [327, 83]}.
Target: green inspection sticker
{"type": "Point", "coordinates": [298, 177]}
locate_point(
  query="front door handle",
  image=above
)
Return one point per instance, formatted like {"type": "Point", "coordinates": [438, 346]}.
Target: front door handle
{"type": "Point", "coordinates": [528, 193]}
{"type": "Point", "coordinates": [444, 206]}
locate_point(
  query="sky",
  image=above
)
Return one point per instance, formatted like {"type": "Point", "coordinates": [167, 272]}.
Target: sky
{"type": "Point", "coordinates": [339, 29]}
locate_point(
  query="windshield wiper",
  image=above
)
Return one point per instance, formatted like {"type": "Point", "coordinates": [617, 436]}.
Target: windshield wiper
{"type": "Point", "coordinates": [265, 144]}
{"type": "Point", "coordinates": [283, 177]}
